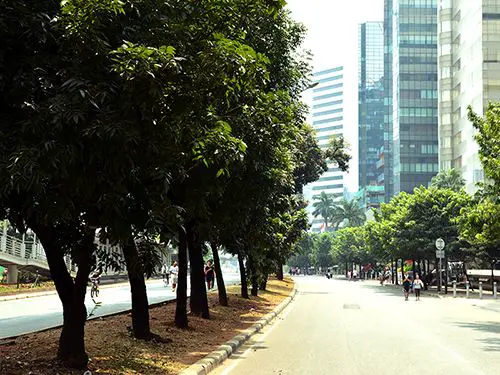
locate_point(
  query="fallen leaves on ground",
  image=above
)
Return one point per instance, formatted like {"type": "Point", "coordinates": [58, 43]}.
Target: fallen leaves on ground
{"type": "Point", "coordinates": [113, 351]}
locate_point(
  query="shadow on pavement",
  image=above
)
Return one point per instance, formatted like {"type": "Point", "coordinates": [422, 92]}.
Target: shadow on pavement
{"type": "Point", "coordinates": [393, 290]}
{"type": "Point", "coordinates": [491, 344]}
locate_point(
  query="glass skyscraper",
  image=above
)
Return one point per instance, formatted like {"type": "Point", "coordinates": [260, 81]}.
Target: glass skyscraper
{"type": "Point", "coordinates": [371, 103]}
{"type": "Point", "coordinates": [410, 84]}
{"type": "Point", "coordinates": [327, 112]}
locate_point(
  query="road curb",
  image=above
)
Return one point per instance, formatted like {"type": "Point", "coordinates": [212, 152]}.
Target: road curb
{"type": "Point", "coordinates": [223, 352]}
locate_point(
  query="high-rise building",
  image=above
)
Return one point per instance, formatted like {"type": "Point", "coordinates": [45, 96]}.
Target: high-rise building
{"type": "Point", "coordinates": [469, 74]}
{"type": "Point", "coordinates": [410, 84]}
{"type": "Point", "coordinates": [371, 104]}
{"type": "Point", "coordinates": [327, 113]}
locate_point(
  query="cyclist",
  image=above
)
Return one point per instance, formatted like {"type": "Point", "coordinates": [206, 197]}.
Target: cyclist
{"type": "Point", "coordinates": [406, 287]}
{"type": "Point", "coordinates": [95, 280]}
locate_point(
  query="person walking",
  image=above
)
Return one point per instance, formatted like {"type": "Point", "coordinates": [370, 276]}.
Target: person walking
{"type": "Point", "coordinates": [406, 287]}
{"type": "Point", "coordinates": [174, 273]}
{"type": "Point", "coordinates": [417, 287]}
{"type": "Point", "coordinates": [209, 275]}
{"type": "Point", "coordinates": [166, 274]}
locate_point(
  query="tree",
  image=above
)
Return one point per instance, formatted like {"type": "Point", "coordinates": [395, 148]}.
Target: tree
{"type": "Point", "coordinates": [487, 139]}
{"type": "Point", "coordinates": [349, 210]}
{"type": "Point", "coordinates": [321, 255]}
{"type": "Point", "coordinates": [347, 246]}
{"type": "Point", "coordinates": [449, 179]}
{"type": "Point", "coordinates": [323, 206]}
{"type": "Point", "coordinates": [480, 226]}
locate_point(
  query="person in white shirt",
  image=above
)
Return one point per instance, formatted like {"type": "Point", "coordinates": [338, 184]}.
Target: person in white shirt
{"type": "Point", "coordinates": [174, 272]}
{"type": "Point", "coordinates": [417, 287]}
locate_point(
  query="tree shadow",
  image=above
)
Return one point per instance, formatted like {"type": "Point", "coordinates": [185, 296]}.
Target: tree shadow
{"type": "Point", "coordinates": [392, 290]}
{"type": "Point", "coordinates": [491, 344]}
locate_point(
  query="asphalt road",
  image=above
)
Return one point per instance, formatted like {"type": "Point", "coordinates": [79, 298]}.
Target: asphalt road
{"type": "Point", "coordinates": [357, 328]}
{"type": "Point", "coordinates": [34, 314]}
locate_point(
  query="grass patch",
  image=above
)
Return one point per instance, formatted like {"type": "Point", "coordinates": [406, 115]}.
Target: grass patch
{"type": "Point", "coordinates": [11, 289]}
{"type": "Point", "coordinates": [113, 351]}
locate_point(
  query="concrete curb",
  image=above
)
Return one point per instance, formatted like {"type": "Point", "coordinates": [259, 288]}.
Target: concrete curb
{"type": "Point", "coordinates": [223, 352]}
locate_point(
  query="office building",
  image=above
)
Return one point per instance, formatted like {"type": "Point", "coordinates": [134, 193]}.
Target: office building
{"type": "Point", "coordinates": [370, 103]}
{"type": "Point", "coordinates": [327, 120]}
{"type": "Point", "coordinates": [410, 98]}
{"type": "Point", "coordinates": [469, 74]}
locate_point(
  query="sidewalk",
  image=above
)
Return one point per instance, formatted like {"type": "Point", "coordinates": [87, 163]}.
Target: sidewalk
{"type": "Point", "coordinates": [105, 284]}
{"type": "Point", "coordinates": [432, 291]}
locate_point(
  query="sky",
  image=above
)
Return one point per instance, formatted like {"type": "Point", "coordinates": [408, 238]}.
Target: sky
{"type": "Point", "coordinates": [333, 39]}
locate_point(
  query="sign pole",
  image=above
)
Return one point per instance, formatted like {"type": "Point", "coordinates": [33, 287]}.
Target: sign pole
{"type": "Point", "coordinates": [440, 255]}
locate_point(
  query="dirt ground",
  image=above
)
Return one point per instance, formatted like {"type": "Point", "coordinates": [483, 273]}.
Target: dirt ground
{"type": "Point", "coordinates": [113, 351]}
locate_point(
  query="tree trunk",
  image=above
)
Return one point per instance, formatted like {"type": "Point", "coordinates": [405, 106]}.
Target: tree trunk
{"type": "Point", "coordinates": [72, 294]}
{"type": "Point", "coordinates": [392, 271]}
{"type": "Point", "coordinates": [414, 268]}
{"type": "Point", "coordinates": [279, 272]}
{"type": "Point", "coordinates": [252, 268]}
{"type": "Point", "coordinates": [263, 282]}
{"type": "Point", "coordinates": [467, 277]}
{"type": "Point", "coordinates": [198, 299]}
{"type": "Point", "coordinates": [446, 275]}
{"type": "Point", "coordinates": [181, 319]}
{"type": "Point", "coordinates": [346, 269]}
{"type": "Point", "coordinates": [221, 287]}
{"type": "Point", "coordinates": [140, 304]}
{"type": "Point", "coordinates": [243, 277]}
{"type": "Point", "coordinates": [493, 263]}
{"type": "Point", "coordinates": [402, 269]}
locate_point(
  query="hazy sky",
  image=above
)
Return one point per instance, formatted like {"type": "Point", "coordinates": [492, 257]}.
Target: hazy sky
{"type": "Point", "coordinates": [333, 39]}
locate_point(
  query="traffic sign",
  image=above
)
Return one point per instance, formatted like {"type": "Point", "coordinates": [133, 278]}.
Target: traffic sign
{"type": "Point", "coordinates": [439, 254]}
{"type": "Point", "coordinates": [440, 244]}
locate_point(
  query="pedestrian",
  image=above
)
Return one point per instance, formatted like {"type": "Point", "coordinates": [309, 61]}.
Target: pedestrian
{"type": "Point", "coordinates": [174, 272]}
{"type": "Point", "coordinates": [417, 287]}
{"type": "Point", "coordinates": [209, 275]}
{"type": "Point", "coordinates": [165, 273]}
{"type": "Point", "coordinates": [406, 287]}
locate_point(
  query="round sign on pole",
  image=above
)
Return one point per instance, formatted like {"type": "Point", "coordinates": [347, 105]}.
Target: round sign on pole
{"type": "Point", "coordinates": [440, 244]}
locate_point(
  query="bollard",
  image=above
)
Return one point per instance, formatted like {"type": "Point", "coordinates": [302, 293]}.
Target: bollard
{"type": "Point", "coordinates": [480, 290]}
{"type": "Point", "coordinates": [454, 289]}
{"type": "Point", "coordinates": [467, 290]}
{"type": "Point", "coordinates": [495, 290]}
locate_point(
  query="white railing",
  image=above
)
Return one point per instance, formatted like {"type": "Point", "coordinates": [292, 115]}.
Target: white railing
{"type": "Point", "coordinates": [28, 248]}
{"type": "Point", "coordinates": [19, 248]}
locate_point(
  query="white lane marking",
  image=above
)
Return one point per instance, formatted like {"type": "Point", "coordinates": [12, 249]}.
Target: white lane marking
{"type": "Point", "coordinates": [260, 339]}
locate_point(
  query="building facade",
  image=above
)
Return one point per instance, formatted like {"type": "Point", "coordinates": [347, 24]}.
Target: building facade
{"type": "Point", "coordinates": [410, 98]}
{"type": "Point", "coordinates": [469, 74]}
{"type": "Point", "coordinates": [327, 114]}
{"type": "Point", "coordinates": [370, 103]}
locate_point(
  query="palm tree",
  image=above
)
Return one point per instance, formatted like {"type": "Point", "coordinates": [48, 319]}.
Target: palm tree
{"type": "Point", "coordinates": [323, 206]}
{"type": "Point", "coordinates": [349, 211]}
{"type": "Point", "coordinates": [450, 179]}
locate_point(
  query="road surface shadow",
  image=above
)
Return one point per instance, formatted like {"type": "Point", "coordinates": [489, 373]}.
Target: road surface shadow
{"type": "Point", "coordinates": [393, 290]}
{"type": "Point", "coordinates": [491, 344]}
